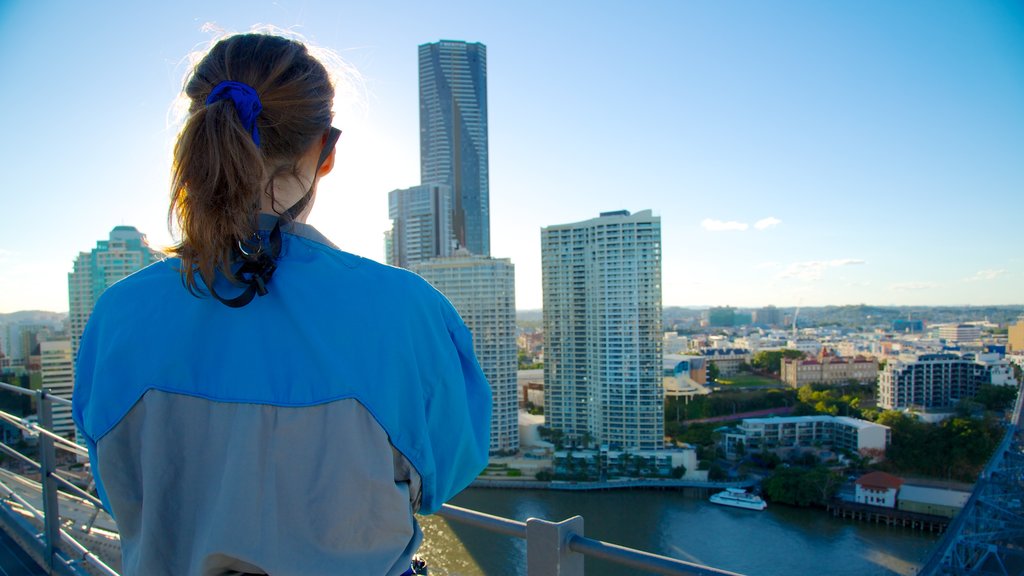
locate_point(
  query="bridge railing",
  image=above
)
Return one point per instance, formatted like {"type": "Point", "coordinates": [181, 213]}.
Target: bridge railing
{"type": "Point", "coordinates": [552, 548]}
{"type": "Point", "coordinates": [45, 546]}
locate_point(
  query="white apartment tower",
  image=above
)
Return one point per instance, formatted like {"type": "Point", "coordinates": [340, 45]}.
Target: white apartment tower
{"type": "Point", "coordinates": [125, 252]}
{"type": "Point", "coordinates": [482, 290]}
{"type": "Point", "coordinates": [602, 330]}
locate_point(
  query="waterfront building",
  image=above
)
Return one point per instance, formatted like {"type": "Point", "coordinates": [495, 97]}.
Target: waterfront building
{"type": "Point", "coordinates": [938, 381]}
{"type": "Point", "coordinates": [483, 291]}
{"type": "Point", "coordinates": [421, 224]}
{"type": "Point", "coordinates": [793, 432]}
{"type": "Point", "coordinates": [453, 135]}
{"type": "Point", "coordinates": [878, 489]}
{"type": "Point", "coordinates": [828, 369]}
{"type": "Point", "coordinates": [126, 251]}
{"type": "Point", "coordinates": [56, 364]}
{"type": "Point", "coordinates": [943, 502]}
{"type": "Point", "coordinates": [602, 330]}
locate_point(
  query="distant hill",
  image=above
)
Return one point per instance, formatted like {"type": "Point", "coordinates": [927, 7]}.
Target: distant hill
{"type": "Point", "coordinates": [33, 317]}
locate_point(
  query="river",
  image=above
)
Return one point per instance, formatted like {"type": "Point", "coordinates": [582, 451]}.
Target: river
{"type": "Point", "coordinates": [781, 540]}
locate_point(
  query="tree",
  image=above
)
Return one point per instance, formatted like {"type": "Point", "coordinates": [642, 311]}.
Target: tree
{"type": "Point", "coordinates": [713, 372]}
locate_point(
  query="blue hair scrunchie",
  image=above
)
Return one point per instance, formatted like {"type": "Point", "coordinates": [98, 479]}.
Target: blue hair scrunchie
{"type": "Point", "coordinates": [246, 100]}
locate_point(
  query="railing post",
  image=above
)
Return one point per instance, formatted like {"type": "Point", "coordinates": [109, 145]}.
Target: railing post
{"type": "Point", "coordinates": [547, 547]}
{"type": "Point", "coordinates": [47, 465]}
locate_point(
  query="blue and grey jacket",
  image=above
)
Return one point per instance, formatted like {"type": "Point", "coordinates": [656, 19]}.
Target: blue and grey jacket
{"type": "Point", "coordinates": [296, 435]}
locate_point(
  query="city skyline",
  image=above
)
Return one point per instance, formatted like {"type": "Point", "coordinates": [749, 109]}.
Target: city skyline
{"type": "Point", "coordinates": [804, 155]}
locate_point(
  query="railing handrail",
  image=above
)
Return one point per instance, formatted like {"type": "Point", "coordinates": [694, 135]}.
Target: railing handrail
{"type": "Point", "coordinates": [572, 541]}
{"type": "Point", "coordinates": [29, 392]}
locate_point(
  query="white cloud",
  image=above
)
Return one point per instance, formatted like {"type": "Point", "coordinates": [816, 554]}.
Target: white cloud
{"type": "Point", "coordinates": [912, 286]}
{"type": "Point", "coordinates": [722, 226]}
{"type": "Point", "coordinates": [765, 265]}
{"type": "Point", "coordinates": [985, 275]}
{"type": "Point", "coordinates": [766, 223]}
{"type": "Point", "coordinates": [813, 270]}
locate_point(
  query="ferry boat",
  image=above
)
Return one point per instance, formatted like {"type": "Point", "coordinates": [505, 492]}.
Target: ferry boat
{"type": "Point", "coordinates": [739, 498]}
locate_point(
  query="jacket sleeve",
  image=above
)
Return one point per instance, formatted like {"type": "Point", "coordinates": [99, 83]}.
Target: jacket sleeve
{"type": "Point", "coordinates": [458, 416]}
{"type": "Point", "coordinates": [83, 405]}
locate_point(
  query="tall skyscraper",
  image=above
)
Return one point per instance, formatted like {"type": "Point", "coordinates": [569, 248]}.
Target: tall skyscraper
{"type": "Point", "coordinates": [453, 135]}
{"type": "Point", "coordinates": [602, 330]}
{"type": "Point", "coordinates": [483, 291]}
{"type": "Point", "coordinates": [125, 252]}
{"type": "Point", "coordinates": [421, 224]}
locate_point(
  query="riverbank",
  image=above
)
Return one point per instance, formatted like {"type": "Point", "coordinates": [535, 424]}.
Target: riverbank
{"type": "Point", "coordinates": [617, 484]}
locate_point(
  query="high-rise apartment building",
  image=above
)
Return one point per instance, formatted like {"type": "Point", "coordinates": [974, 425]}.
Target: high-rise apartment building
{"type": "Point", "coordinates": [453, 135]}
{"type": "Point", "coordinates": [1015, 337]}
{"type": "Point", "coordinates": [483, 291]}
{"type": "Point", "coordinates": [421, 224]}
{"type": "Point", "coordinates": [123, 253]}
{"type": "Point", "coordinates": [57, 368]}
{"type": "Point", "coordinates": [602, 330]}
{"type": "Point", "coordinates": [930, 381]}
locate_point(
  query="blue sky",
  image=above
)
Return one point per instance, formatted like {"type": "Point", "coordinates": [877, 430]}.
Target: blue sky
{"type": "Point", "coordinates": [797, 152]}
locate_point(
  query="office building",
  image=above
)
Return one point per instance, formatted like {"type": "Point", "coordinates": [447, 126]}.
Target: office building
{"type": "Point", "coordinates": [421, 224]}
{"type": "Point", "coordinates": [453, 135]}
{"type": "Point", "coordinates": [938, 381]}
{"type": "Point", "coordinates": [57, 368]}
{"type": "Point", "coordinates": [602, 330]}
{"type": "Point", "coordinates": [956, 333]}
{"type": "Point", "coordinates": [126, 251]}
{"type": "Point", "coordinates": [483, 291]}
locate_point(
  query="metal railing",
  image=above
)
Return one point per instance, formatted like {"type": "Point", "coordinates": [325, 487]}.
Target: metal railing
{"type": "Point", "coordinates": [552, 548]}
{"type": "Point", "coordinates": [45, 546]}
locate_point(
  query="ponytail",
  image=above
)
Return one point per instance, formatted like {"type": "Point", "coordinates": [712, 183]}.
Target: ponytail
{"type": "Point", "coordinates": [220, 171]}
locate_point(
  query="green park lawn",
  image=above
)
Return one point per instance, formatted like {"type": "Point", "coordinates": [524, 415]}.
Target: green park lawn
{"type": "Point", "coordinates": [741, 380]}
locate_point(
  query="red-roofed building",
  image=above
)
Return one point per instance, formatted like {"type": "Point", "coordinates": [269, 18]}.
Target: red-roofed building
{"type": "Point", "coordinates": [878, 489]}
{"type": "Point", "coordinates": [828, 368]}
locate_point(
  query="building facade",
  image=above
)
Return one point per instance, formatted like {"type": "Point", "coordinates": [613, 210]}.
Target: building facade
{"type": "Point", "coordinates": [453, 135]}
{"type": "Point", "coordinates": [828, 369]}
{"type": "Point", "coordinates": [421, 224]}
{"type": "Point", "coordinates": [1015, 337]}
{"type": "Point", "coordinates": [938, 381]}
{"type": "Point", "coordinates": [788, 432]}
{"type": "Point", "coordinates": [126, 251]}
{"type": "Point", "coordinates": [960, 333]}
{"type": "Point", "coordinates": [483, 291]}
{"type": "Point", "coordinates": [56, 364]}
{"type": "Point", "coordinates": [602, 330]}
{"type": "Point", "coordinates": [877, 489]}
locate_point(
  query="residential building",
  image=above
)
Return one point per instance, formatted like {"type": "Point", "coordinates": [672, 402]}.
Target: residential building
{"type": "Point", "coordinates": [531, 386]}
{"type": "Point", "coordinates": [126, 251]}
{"type": "Point", "coordinates": [483, 291]}
{"type": "Point", "coordinates": [829, 369]}
{"type": "Point", "coordinates": [722, 316]}
{"type": "Point", "coordinates": [790, 432]}
{"type": "Point", "coordinates": [602, 330]}
{"type": "Point", "coordinates": [453, 135]}
{"type": "Point", "coordinates": [57, 367]}
{"type": "Point", "coordinates": [937, 381]}
{"type": "Point", "coordinates": [878, 489]}
{"type": "Point", "coordinates": [421, 224]}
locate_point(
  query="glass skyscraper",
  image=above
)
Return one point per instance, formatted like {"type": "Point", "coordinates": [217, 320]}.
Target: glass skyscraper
{"type": "Point", "coordinates": [453, 135]}
{"type": "Point", "coordinates": [602, 330]}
